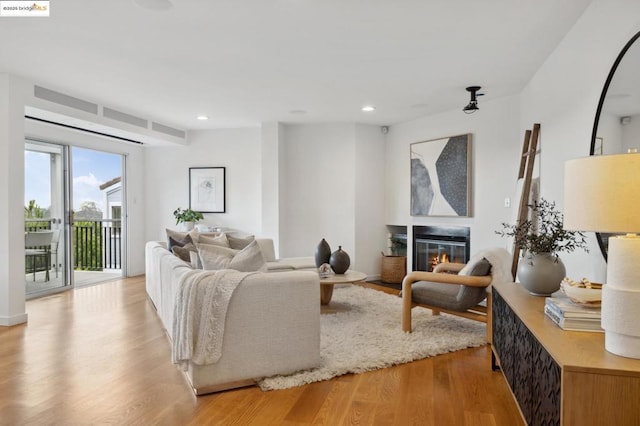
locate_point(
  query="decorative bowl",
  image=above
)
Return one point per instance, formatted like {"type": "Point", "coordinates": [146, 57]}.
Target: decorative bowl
{"type": "Point", "coordinates": [583, 292]}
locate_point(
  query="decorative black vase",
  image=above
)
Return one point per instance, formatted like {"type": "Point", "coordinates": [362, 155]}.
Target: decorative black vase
{"type": "Point", "coordinates": [323, 253]}
{"type": "Point", "coordinates": [339, 261]}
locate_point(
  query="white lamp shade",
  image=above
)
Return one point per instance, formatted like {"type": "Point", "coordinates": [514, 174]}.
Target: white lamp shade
{"type": "Point", "coordinates": [602, 193]}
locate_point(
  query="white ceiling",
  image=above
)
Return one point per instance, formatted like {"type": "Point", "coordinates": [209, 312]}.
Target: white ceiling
{"type": "Point", "coordinates": [244, 62]}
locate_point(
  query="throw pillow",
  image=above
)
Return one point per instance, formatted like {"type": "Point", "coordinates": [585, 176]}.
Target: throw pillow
{"type": "Point", "coordinates": [174, 241]}
{"type": "Point", "coordinates": [478, 269]}
{"type": "Point", "coordinates": [248, 259]}
{"type": "Point", "coordinates": [184, 252]}
{"type": "Point", "coordinates": [215, 257]}
{"type": "Point", "coordinates": [219, 240]}
{"type": "Point", "coordinates": [179, 235]}
{"type": "Point", "coordinates": [199, 234]}
{"type": "Point", "coordinates": [240, 243]}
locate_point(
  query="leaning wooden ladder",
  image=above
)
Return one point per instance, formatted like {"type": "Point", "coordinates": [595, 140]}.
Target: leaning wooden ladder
{"type": "Point", "coordinates": [527, 159]}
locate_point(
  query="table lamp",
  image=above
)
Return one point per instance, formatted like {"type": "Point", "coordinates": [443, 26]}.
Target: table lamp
{"type": "Point", "coordinates": [602, 194]}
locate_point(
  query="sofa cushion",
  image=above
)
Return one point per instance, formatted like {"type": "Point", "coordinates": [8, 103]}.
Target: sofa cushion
{"type": "Point", "coordinates": [249, 259]}
{"type": "Point", "coordinates": [301, 263]}
{"type": "Point", "coordinates": [277, 266]}
{"type": "Point", "coordinates": [240, 243]}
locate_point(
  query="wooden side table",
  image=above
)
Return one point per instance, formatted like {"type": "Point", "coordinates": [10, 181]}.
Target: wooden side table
{"type": "Point", "coordinates": [326, 284]}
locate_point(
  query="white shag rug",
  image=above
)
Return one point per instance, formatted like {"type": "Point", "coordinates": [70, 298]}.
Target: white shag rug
{"type": "Point", "coordinates": [366, 334]}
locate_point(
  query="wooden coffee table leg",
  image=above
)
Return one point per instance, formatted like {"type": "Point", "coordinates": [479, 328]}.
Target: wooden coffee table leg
{"type": "Point", "coordinates": [326, 291]}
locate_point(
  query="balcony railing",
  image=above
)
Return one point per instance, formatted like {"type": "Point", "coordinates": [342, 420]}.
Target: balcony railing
{"type": "Point", "coordinates": [97, 243]}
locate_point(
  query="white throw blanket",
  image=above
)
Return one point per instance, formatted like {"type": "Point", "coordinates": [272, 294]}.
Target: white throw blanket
{"type": "Point", "coordinates": [500, 260]}
{"type": "Point", "coordinates": [199, 316]}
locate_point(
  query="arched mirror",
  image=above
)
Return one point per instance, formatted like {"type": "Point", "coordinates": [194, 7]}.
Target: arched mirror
{"type": "Point", "coordinates": [616, 128]}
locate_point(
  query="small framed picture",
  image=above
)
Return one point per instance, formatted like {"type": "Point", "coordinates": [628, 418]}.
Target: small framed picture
{"type": "Point", "coordinates": [207, 189]}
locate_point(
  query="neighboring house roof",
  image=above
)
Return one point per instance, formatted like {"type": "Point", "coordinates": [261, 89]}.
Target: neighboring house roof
{"type": "Point", "coordinates": [110, 183]}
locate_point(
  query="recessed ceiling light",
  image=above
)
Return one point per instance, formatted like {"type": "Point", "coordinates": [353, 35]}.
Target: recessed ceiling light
{"type": "Point", "coordinates": [297, 112]}
{"type": "Point", "coordinates": [202, 117]}
{"type": "Point", "coordinates": [368, 108]}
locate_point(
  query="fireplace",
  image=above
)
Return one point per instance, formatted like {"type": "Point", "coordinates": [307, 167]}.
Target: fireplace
{"type": "Point", "coordinates": [439, 244]}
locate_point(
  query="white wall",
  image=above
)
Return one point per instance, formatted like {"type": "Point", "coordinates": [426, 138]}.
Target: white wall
{"type": "Point", "coordinates": [167, 179]}
{"type": "Point", "coordinates": [270, 181]}
{"type": "Point", "coordinates": [563, 97]}
{"type": "Point", "coordinates": [319, 188]}
{"type": "Point", "coordinates": [332, 187]}
{"type": "Point", "coordinates": [496, 146]}
{"type": "Point", "coordinates": [296, 184]}
{"type": "Point", "coordinates": [370, 230]}
{"type": "Point", "coordinates": [13, 95]}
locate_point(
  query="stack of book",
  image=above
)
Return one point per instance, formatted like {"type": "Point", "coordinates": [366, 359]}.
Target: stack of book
{"type": "Point", "coordinates": [572, 316]}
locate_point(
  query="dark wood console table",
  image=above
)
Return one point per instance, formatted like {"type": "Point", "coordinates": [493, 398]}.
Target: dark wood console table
{"type": "Point", "coordinates": [556, 376]}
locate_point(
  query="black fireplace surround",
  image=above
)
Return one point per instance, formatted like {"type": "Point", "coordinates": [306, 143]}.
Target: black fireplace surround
{"type": "Point", "coordinates": [436, 244]}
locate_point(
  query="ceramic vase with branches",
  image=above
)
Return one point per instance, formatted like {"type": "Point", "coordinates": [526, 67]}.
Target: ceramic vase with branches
{"type": "Point", "coordinates": [541, 238]}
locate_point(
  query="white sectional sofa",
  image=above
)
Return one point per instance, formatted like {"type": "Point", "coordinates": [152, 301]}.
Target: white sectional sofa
{"type": "Point", "coordinates": [272, 324]}
{"type": "Point", "coordinates": [285, 264]}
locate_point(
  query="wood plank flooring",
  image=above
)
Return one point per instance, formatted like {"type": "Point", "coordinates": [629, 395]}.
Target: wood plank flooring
{"type": "Point", "coordinates": [99, 355]}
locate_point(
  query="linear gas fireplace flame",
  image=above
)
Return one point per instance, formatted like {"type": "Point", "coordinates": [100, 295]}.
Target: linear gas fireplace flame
{"type": "Point", "coordinates": [433, 245]}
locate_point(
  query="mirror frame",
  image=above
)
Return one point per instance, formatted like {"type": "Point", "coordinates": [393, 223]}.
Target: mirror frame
{"type": "Point", "coordinates": [600, 236]}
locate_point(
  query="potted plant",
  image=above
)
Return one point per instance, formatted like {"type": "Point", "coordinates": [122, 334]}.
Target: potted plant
{"type": "Point", "coordinates": [541, 238]}
{"type": "Point", "coordinates": [187, 217]}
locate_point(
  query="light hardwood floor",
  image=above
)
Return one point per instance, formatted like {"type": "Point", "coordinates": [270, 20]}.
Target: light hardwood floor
{"type": "Point", "coordinates": [99, 355]}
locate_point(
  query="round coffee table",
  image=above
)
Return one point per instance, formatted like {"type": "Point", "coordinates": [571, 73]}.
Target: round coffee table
{"type": "Point", "coordinates": [326, 284]}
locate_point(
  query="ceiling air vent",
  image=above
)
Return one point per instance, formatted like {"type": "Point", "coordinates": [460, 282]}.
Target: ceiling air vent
{"type": "Point", "coordinates": [168, 130]}
{"type": "Point", "coordinates": [66, 100]}
{"type": "Point", "coordinates": [123, 117]}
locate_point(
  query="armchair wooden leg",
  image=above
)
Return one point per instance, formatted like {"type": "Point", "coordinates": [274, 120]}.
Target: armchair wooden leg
{"type": "Point", "coordinates": [406, 305]}
{"type": "Point", "coordinates": [435, 312]}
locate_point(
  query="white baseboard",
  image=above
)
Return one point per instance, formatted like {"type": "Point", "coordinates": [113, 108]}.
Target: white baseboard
{"type": "Point", "coordinates": [13, 320]}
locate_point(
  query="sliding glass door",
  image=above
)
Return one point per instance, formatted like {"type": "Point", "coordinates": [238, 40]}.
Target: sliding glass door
{"type": "Point", "coordinates": [44, 211]}
{"type": "Point", "coordinates": [96, 222]}
{"type": "Point", "coordinates": [74, 209]}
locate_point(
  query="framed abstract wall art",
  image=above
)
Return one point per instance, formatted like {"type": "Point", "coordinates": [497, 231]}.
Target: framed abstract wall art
{"type": "Point", "coordinates": [441, 177]}
{"type": "Point", "coordinates": [207, 189]}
